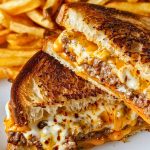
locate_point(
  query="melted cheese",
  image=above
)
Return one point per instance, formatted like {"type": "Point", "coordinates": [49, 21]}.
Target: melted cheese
{"type": "Point", "coordinates": [85, 52]}
{"type": "Point", "coordinates": [122, 89]}
{"type": "Point", "coordinates": [61, 126]}
{"type": "Point", "coordinates": [126, 75]}
{"type": "Point", "coordinates": [147, 91]}
{"type": "Point", "coordinates": [132, 82]}
{"type": "Point", "coordinates": [65, 125]}
{"type": "Point", "coordinates": [102, 54]}
{"type": "Point", "coordinates": [95, 118]}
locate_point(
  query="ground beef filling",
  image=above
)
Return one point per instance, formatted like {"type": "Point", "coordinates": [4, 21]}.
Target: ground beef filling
{"type": "Point", "coordinates": [105, 132]}
{"type": "Point", "coordinates": [17, 138]}
{"type": "Point", "coordinates": [103, 72]}
{"type": "Point", "coordinates": [92, 135]}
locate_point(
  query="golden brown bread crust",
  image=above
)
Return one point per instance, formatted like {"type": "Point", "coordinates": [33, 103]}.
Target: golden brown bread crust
{"type": "Point", "coordinates": [54, 81]}
{"type": "Point", "coordinates": [16, 105]}
{"type": "Point", "coordinates": [127, 33]}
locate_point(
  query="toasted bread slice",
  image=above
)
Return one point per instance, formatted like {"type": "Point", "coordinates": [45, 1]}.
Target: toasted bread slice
{"type": "Point", "coordinates": [52, 108]}
{"type": "Point", "coordinates": [45, 82]}
{"type": "Point", "coordinates": [109, 48]}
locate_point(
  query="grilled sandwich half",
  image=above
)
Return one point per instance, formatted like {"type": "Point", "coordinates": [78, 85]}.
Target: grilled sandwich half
{"type": "Point", "coordinates": [51, 108]}
{"type": "Point", "coordinates": [109, 48]}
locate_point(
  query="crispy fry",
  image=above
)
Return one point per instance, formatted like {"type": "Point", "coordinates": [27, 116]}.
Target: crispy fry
{"type": "Point", "coordinates": [12, 61]}
{"type": "Point", "coordinates": [35, 46]}
{"type": "Point", "coordinates": [21, 39]}
{"type": "Point", "coordinates": [21, 28]}
{"type": "Point", "coordinates": [4, 19]}
{"type": "Point", "coordinates": [142, 8]}
{"type": "Point", "coordinates": [132, 1]}
{"type": "Point", "coordinates": [4, 32]}
{"type": "Point", "coordinates": [24, 19]}
{"type": "Point", "coordinates": [2, 39]}
{"type": "Point", "coordinates": [98, 2]}
{"type": "Point", "coordinates": [1, 27]}
{"type": "Point", "coordinates": [71, 1]}
{"type": "Point", "coordinates": [3, 35]}
{"type": "Point", "coordinates": [24, 42]}
{"type": "Point", "coordinates": [15, 7]}
{"type": "Point", "coordinates": [9, 72]}
{"type": "Point", "coordinates": [52, 5]}
{"type": "Point", "coordinates": [38, 18]}
{"type": "Point", "coordinates": [9, 53]}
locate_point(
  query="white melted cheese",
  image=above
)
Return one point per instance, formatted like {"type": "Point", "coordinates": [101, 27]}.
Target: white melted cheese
{"type": "Point", "coordinates": [125, 76]}
{"type": "Point", "coordinates": [147, 91]}
{"type": "Point", "coordinates": [144, 70]}
{"type": "Point", "coordinates": [132, 82]}
{"type": "Point", "coordinates": [61, 126]}
{"type": "Point", "coordinates": [133, 115]}
{"type": "Point", "coordinates": [64, 125]}
{"type": "Point", "coordinates": [122, 89]}
{"type": "Point", "coordinates": [80, 51]}
{"type": "Point", "coordinates": [34, 132]}
{"type": "Point", "coordinates": [85, 52]}
{"type": "Point", "coordinates": [77, 48]}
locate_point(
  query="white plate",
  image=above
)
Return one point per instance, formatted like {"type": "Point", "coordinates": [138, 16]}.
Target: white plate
{"type": "Point", "coordinates": [140, 141]}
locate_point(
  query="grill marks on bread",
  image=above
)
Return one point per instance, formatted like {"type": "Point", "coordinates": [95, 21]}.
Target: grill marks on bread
{"type": "Point", "coordinates": [127, 35]}
{"type": "Point", "coordinates": [56, 81]}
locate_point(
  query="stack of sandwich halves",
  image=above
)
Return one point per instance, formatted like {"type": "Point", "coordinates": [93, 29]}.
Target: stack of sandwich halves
{"type": "Point", "coordinates": [90, 86]}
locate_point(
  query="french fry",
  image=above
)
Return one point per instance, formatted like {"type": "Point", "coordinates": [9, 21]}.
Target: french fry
{"type": "Point", "coordinates": [23, 25]}
{"type": "Point", "coordinates": [21, 28]}
{"type": "Point", "coordinates": [9, 53]}
{"type": "Point", "coordinates": [24, 19]}
{"type": "Point", "coordinates": [12, 61]}
{"type": "Point", "coordinates": [38, 18]}
{"type": "Point", "coordinates": [21, 39]}
{"type": "Point", "coordinates": [133, 1]}
{"type": "Point", "coordinates": [98, 2]}
{"type": "Point", "coordinates": [72, 1]}
{"type": "Point", "coordinates": [35, 46]}
{"type": "Point", "coordinates": [15, 7]}
{"type": "Point", "coordinates": [3, 34]}
{"type": "Point", "coordinates": [1, 27]}
{"type": "Point", "coordinates": [142, 8]}
{"type": "Point", "coordinates": [24, 42]}
{"type": "Point", "coordinates": [4, 19]}
{"type": "Point", "coordinates": [2, 39]}
{"type": "Point", "coordinates": [9, 72]}
{"type": "Point", "coordinates": [52, 5]}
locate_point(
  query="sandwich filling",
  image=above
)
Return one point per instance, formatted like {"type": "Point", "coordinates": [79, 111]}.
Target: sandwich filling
{"type": "Point", "coordinates": [89, 60]}
{"type": "Point", "coordinates": [64, 129]}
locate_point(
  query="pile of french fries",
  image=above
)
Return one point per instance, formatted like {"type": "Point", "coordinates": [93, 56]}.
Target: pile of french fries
{"type": "Point", "coordinates": [24, 24]}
